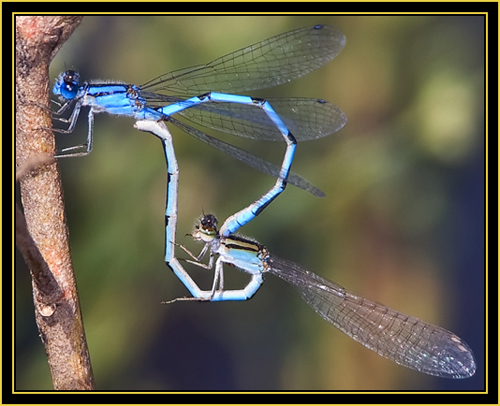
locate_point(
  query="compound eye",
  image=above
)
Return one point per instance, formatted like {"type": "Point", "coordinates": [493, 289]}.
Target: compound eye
{"type": "Point", "coordinates": [67, 85]}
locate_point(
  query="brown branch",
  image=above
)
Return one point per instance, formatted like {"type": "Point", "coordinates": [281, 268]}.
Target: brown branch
{"type": "Point", "coordinates": [45, 287]}
{"type": "Point", "coordinates": [43, 237]}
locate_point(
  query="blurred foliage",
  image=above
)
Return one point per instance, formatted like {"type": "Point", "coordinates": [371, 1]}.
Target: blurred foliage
{"type": "Point", "coordinates": [402, 222]}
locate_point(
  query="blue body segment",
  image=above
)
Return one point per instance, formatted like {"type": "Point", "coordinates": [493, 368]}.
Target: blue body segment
{"type": "Point", "coordinates": [403, 339]}
{"type": "Point", "coordinates": [160, 130]}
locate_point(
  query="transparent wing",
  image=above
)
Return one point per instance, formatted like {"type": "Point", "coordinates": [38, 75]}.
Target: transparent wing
{"type": "Point", "coordinates": [271, 62]}
{"type": "Point", "coordinates": [268, 63]}
{"type": "Point", "coordinates": [306, 118]}
{"type": "Point", "coordinates": [403, 339]}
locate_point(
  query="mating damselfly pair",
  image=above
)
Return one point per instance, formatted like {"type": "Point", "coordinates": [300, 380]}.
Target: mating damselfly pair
{"type": "Point", "coordinates": [204, 94]}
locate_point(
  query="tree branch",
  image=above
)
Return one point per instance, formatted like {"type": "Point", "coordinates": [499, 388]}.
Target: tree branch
{"type": "Point", "coordinates": [43, 237]}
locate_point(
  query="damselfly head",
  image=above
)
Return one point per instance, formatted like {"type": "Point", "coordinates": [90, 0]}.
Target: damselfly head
{"type": "Point", "coordinates": [206, 228]}
{"type": "Point", "coordinates": [67, 85]}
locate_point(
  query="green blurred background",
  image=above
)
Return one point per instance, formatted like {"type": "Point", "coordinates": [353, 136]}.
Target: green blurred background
{"type": "Point", "coordinates": [402, 222]}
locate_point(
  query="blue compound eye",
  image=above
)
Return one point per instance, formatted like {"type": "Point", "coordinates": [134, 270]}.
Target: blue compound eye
{"type": "Point", "coordinates": [70, 84]}
{"type": "Point", "coordinates": [67, 85]}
